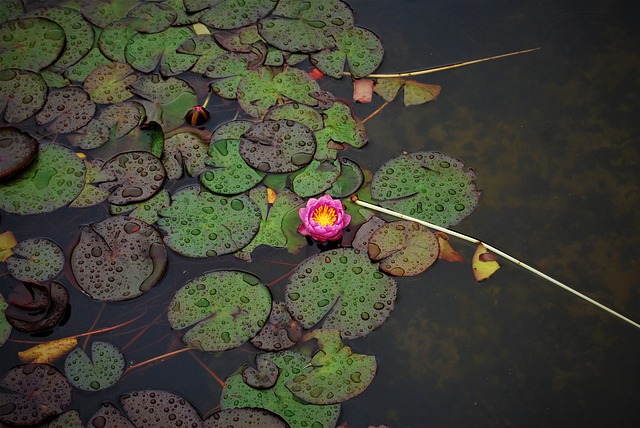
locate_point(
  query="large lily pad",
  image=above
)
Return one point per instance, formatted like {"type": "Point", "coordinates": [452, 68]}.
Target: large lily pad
{"type": "Point", "coordinates": [145, 51]}
{"type": "Point", "coordinates": [279, 146]}
{"type": "Point", "coordinates": [52, 180]}
{"type": "Point", "coordinates": [230, 174]}
{"type": "Point", "coordinates": [66, 110]}
{"type": "Point", "coordinates": [118, 259]}
{"type": "Point", "coordinates": [224, 310]}
{"type": "Point", "coordinates": [345, 288]}
{"type": "Point", "coordinates": [338, 373]}
{"type": "Point", "coordinates": [430, 186]}
{"type": "Point", "coordinates": [136, 176]}
{"type": "Point", "coordinates": [404, 248]}
{"type": "Point", "coordinates": [103, 12]}
{"type": "Point", "coordinates": [229, 14]}
{"type": "Point", "coordinates": [17, 149]}
{"type": "Point", "coordinates": [35, 259]}
{"type": "Point", "coordinates": [156, 408]}
{"type": "Point", "coordinates": [102, 370]}
{"type": "Point", "coordinates": [22, 94]}
{"type": "Point", "coordinates": [201, 224]}
{"type": "Point", "coordinates": [40, 391]}
{"type": "Point", "coordinates": [246, 417]}
{"type": "Point", "coordinates": [30, 43]}
{"type": "Point", "coordinates": [278, 399]}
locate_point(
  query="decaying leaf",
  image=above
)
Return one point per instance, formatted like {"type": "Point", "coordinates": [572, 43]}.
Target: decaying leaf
{"type": "Point", "coordinates": [7, 242]}
{"type": "Point", "coordinates": [484, 263]}
{"type": "Point", "coordinates": [447, 252]}
{"type": "Point", "coordinates": [48, 352]}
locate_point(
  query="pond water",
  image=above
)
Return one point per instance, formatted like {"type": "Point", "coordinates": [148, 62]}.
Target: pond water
{"type": "Point", "coordinates": [554, 139]}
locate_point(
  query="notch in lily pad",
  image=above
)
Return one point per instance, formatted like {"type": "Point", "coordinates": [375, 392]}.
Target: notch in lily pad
{"type": "Point", "coordinates": [100, 371]}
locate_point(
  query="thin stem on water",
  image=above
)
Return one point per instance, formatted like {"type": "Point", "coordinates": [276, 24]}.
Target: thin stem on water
{"type": "Point", "coordinates": [355, 200]}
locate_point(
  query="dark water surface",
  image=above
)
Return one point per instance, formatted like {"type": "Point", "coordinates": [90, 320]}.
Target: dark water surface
{"type": "Point", "coordinates": [554, 138]}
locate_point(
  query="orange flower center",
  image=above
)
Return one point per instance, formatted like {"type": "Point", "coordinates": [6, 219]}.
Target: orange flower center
{"type": "Point", "coordinates": [325, 216]}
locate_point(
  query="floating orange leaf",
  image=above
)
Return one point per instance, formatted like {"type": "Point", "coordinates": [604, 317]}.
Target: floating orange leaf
{"type": "Point", "coordinates": [484, 263]}
{"type": "Point", "coordinates": [7, 242]}
{"type": "Point", "coordinates": [447, 253]}
{"type": "Point", "coordinates": [49, 351]}
{"type": "Point", "coordinates": [271, 195]}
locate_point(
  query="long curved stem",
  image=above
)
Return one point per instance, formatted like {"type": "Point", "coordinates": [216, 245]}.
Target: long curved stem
{"type": "Point", "coordinates": [355, 200]}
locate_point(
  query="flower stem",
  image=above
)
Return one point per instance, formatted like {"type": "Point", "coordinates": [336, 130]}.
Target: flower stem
{"type": "Point", "coordinates": [355, 200]}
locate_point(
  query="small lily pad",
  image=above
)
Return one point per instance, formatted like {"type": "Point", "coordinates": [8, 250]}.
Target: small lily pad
{"type": "Point", "coordinates": [156, 408]}
{"type": "Point", "coordinates": [430, 186]}
{"type": "Point", "coordinates": [344, 289]}
{"type": "Point", "coordinates": [36, 259]}
{"type": "Point", "coordinates": [224, 310]}
{"type": "Point", "coordinates": [22, 94]}
{"type": "Point", "coordinates": [102, 370]}
{"type": "Point", "coordinates": [279, 146]}
{"type": "Point", "coordinates": [201, 224]}
{"type": "Point", "coordinates": [17, 149]}
{"type": "Point", "coordinates": [52, 180]}
{"type": "Point", "coordinates": [316, 177]}
{"type": "Point", "coordinates": [136, 176]}
{"type": "Point", "coordinates": [414, 92]}
{"type": "Point", "coordinates": [360, 47]}
{"type": "Point", "coordinates": [30, 43]}
{"type": "Point", "coordinates": [118, 259]}
{"type": "Point", "coordinates": [66, 110]}
{"type": "Point", "coordinates": [39, 392]}
{"type": "Point", "coordinates": [403, 248]}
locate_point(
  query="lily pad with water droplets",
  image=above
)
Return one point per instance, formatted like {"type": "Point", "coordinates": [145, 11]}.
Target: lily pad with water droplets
{"type": "Point", "coordinates": [91, 194]}
{"type": "Point", "coordinates": [185, 150]}
{"type": "Point", "coordinates": [201, 224]}
{"type": "Point", "coordinates": [135, 177]}
{"type": "Point", "coordinates": [100, 371]}
{"type": "Point", "coordinates": [11, 9]}
{"type": "Point", "coordinates": [153, 408]}
{"type": "Point", "coordinates": [340, 126]}
{"type": "Point", "coordinates": [348, 182]}
{"type": "Point", "coordinates": [229, 14]}
{"type": "Point", "coordinates": [223, 309]}
{"type": "Point", "coordinates": [30, 43]}
{"type": "Point", "coordinates": [22, 94]}
{"type": "Point", "coordinates": [338, 373]}
{"type": "Point", "coordinates": [118, 259]}
{"type": "Point", "coordinates": [109, 416]}
{"type": "Point", "coordinates": [108, 84]}
{"type": "Point", "coordinates": [403, 248]}
{"type": "Point", "coordinates": [280, 332]}
{"type": "Point", "coordinates": [278, 399]}
{"type": "Point", "coordinates": [44, 307]}
{"type": "Point", "coordinates": [66, 110]}
{"type": "Point", "coordinates": [101, 13]}
{"type": "Point", "coordinates": [430, 186]}
{"type": "Point", "coordinates": [316, 177]}
{"type": "Point", "coordinates": [52, 180]}
{"type": "Point", "coordinates": [152, 17]}
{"type": "Point", "coordinates": [245, 417]}
{"type": "Point", "coordinates": [145, 51]}
{"type": "Point", "coordinates": [279, 146]}
{"type": "Point", "coordinates": [344, 288]}
{"type": "Point", "coordinates": [17, 149]}
{"type": "Point", "coordinates": [5, 327]}
{"type": "Point", "coordinates": [39, 392]}
{"type": "Point", "coordinates": [147, 210]}
{"type": "Point", "coordinates": [297, 112]}
{"type": "Point", "coordinates": [230, 174]}
{"type": "Point", "coordinates": [205, 47]}
{"type": "Point", "coordinates": [36, 259]}
{"type": "Point", "coordinates": [358, 46]}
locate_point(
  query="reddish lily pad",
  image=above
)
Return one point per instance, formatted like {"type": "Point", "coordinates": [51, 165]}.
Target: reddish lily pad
{"type": "Point", "coordinates": [22, 94]}
{"type": "Point", "coordinates": [30, 43]}
{"type": "Point", "coordinates": [229, 14]}
{"type": "Point", "coordinates": [153, 408]}
{"type": "Point", "coordinates": [279, 146]}
{"type": "Point", "coordinates": [280, 332]}
{"type": "Point", "coordinates": [17, 149]}
{"type": "Point", "coordinates": [99, 372]}
{"type": "Point", "coordinates": [262, 377]}
{"type": "Point", "coordinates": [136, 176]}
{"type": "Point", "coordinates": [108, 416]}
{"type": "Point", "coordinates": [66, 110]}
{"type": "Point", "coordinates": [222, 309]}
{"type": "Point", "coordinates": [185, 150]}
{"type": "Point", "coordinates": [36, 259]}
{"type": "Point", "coordinates": [40, 391]}
{"type": "Point", "coordinates": [118, 259]}
{"type": "Point", "coordinates": [245, 417]}
{"type": "Point", "coordinates": [50, 304]}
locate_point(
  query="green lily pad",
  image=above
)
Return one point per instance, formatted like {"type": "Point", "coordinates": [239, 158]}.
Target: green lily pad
{"type": "Point", "coordinates": [52, 180]}
{"type": "Point", "coordinates": [145, 51]}
{"type": "Point", "coordinates": [5, 327]}
{"type": "Point", "coordinates": [232, 130]}
{"type": "Point", "coordinates": [91, 194]}
{"type": "Point", "coordinates": [229, 14]}
{"type": "Point", "coordinates": [414, 92]}
{"type": "Point", "coordinates": [278, 399]}
{"type": "Point", "coordinates": [340, 126]}
{"type": "Point", "coordinates": [147, 210]}
{"type": "Point", "coordinates": [17, 149]}
{"type": "Point", "coordinates": [11, 9]}
{"type": "Point", "coordinates": [108, 84]}
{"type": "Point", "coordinates": [348, 182]}
{"type": "Point", "coordinates": [359, 47]}
{"type": "Point", "coordinates": [271, 225]}
{"type": "Point", "coordinates": [157, 408]}
{"type": "Point", "coordinates": [316, 177]}
{"type": "Point", "coordinates": [403, 248]}
{"type": "Point", "coordinates": [430, 186]}
{"type": "Point", "coordinates": [297, 112]}
{"type": "Point", "coordinates": [258, 418]}
{"type": "Point", "coordinates": [345, 288]}
{"type": "Point", "coordinates": [101, 13]}
{"type": "Point", "coordinates": [204, 46]}
{"type": "Point", "coordinates": [201, 224]}
{"type": "Point", "coordinates": [118, 259]}
{"type": "Point", "coordinates": [22, 94]}
{"type": "Point", "coordinates": [230, 174]}
{"type": "Point", "coordinates": [102, 370]}
{"type": "Point", "coordinates": [81, 69]}
{"type": "Point", "coordinates": [30, 43]}
{"type": "Point", "coordinates": [66, 110]}
{"type": "Point", "coordinates": [114, 38]}
{"type": "Point", "coordinates": [78, 33]}
{"type": "Point", "coordinates": [224, 310]}
{"type": "Point", "coordinates": [260, 89]}
{"type": "Point", "coordinates": [185, 150]}
{"type": "Point", "coordinates": [349, 373]}
{"type": "Point", "coordinates": [279, 146]}
{"type": "Point", "coordinates": [36, 260]}
{"type": "Point", "coordinates": [134, 177]}
{"type": "Point", "coordinates": [66, 420]}
{"type": "Point", "coordinates": [152, 17]}
{"type": "Point", "coordinates": [280, 332]}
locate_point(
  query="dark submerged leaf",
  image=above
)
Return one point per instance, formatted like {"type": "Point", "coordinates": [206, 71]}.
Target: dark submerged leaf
{"type": "Point", "coordinates": [34, 321]}
{"type": "Point", "coordinates": [17, 149]}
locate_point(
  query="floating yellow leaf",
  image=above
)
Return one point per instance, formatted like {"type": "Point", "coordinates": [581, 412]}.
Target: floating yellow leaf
{"type": "Point", "coordinates": [7, 242]}
{"type": "Point", "coordinates": [271, 195]}
{"type": "Point", "coordinates": [447, 253]}
{"type": "Point", "coordinates": [484, 263]}
{"type": "Point", "coordinates": [47, 352]}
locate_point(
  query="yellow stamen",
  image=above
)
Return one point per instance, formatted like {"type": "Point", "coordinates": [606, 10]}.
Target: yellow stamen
{"type": "Point", "coordinates": [325, 216]}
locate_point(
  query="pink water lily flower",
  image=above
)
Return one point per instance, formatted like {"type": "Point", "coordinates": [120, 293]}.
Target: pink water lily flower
{"type": "Point", "coordinates": [323, 219]}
